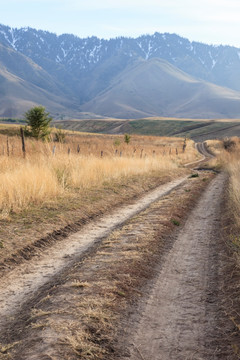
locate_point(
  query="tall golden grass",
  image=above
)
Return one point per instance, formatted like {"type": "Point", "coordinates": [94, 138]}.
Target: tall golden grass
{"type": "Point", "coordinates": [230, 159]}
{"type": "Point", "coordinates": [53, 169]}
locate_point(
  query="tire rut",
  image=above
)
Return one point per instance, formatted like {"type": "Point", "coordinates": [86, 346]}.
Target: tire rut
{"type": "Point", "coordinates": [23, 282]}
{"type": "Point", "coordinates": [181, 316]}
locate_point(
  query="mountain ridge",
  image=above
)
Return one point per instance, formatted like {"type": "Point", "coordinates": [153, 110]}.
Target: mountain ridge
{"type": "Point", "coordinates": [76, 72]}
{"type": "Point", "coordinates": [83, 54]}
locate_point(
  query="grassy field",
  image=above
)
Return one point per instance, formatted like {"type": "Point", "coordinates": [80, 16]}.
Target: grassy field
{"type": "Point", "coordinates": [80, 163]}
{"type": "Point", "coordinates": [62, 185]}
{"type": "Point", "coordinates": [192, 128]}
{"type": "Point", "coordinates": [196, 129]}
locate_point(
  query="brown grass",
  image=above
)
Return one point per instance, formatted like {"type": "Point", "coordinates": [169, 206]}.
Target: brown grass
{"type": "Point", "coordinates": [229, 159]}
{"type": "Point", "coordinates": [83, 162]}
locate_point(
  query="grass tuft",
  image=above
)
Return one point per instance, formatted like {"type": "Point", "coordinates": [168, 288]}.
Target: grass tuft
{"type": "Point", "coordinates": [175, 222]}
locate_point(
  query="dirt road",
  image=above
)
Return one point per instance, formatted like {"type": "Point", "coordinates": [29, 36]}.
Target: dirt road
{"type": "Point", "coordinates": [180, 316]}
{"type": "Point", "coordinates": [21, 283]}
{"type": "Point", "coordinates": [202, 149]}
{"type": "Point", "coordinates": [180, 320]}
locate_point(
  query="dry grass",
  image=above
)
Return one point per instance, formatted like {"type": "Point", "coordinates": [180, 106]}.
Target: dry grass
{"type": "Point", "coordinates": [83, 162]}
{"type": "Point", "coordinates": [229, 157]}
{"type": "Point", "coordinates": [230, 161]}
{"type": "Point", "coordinates": [80, 284]}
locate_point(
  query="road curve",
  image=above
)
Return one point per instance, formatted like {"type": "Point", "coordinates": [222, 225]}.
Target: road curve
{"type": "Point", "coordinates": [202, 149]}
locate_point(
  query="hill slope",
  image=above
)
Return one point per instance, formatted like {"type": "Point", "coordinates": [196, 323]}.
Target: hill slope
{"type": "Point", "coordinates": [23, 84]}
{"type": "Point", "coordinates": [155, 87]}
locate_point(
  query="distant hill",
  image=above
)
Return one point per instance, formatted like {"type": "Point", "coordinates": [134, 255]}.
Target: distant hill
{"type": "Point", "coordinates": [24, 84]}
{"type": "Point", "coordinates": [198, 130]}
{"type": "Point", "coordinates": [155, 87]}
{"type": "Point", "coordinates": [160, 74]}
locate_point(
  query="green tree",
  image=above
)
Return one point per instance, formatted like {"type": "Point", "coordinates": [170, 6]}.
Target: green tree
{"type": "Point", "coordinates": [127, 138]}
{"type": "Point", "coordinates": [38, 123]}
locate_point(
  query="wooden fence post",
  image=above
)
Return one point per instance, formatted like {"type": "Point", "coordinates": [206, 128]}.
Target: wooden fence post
{"type": "Point", "coordinates": [7, 147]}
{"type": "Point", "coordinates": [184, 145]}
{"type": "Point", "coordinates": [23, 142]}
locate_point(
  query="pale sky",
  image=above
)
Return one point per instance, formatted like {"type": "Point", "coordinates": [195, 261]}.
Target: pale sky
{"type": "Point", "coordinates": [208, 21]}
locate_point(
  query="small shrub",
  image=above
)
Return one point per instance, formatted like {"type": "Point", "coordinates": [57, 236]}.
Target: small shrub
{"type": "Point", "coordinates": [60, 136]}
{"type": "Point", "coordinates": [193, 175]}
{"type": "Point", "coordinates": [127, 138]}
{"type": "Point", "coordinates": [38, 122]}
{"type": "Point", "coordinates": [175, 222]}
{"type": "Point", "coordinates": [116, 142]}
{"type": "Point", "coordinates": [229, 144]}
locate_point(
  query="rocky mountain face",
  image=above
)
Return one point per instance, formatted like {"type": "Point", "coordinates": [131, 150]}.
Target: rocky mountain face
{"type": "Point", "coordinates": [82, 69]}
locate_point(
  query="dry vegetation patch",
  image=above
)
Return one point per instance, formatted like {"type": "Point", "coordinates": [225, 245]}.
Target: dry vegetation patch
{"type": "Point", "coordinates": [62, 185]}
{"type": "Point", "coordinates": [228, 156]}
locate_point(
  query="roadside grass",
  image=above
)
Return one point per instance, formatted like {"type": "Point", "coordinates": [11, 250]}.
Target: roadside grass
{"type": "Point", "coordinates": [58, 187]}
{"type": "Point", "coordinates": [216, 147]}
{"type": "Point", "coordinates": [228, 153]}
{"type": "Point", "coordinates": [51, 169]}
{"type": "Point", "coordinates": [229, 156]}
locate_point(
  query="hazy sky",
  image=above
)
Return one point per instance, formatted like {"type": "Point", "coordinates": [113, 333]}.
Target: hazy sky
{"type": "Point", "coordinates": [209, 21]}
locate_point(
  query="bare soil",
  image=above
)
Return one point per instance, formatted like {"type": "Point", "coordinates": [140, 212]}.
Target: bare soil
{"type": "Point", "coordinates": [183, 317]}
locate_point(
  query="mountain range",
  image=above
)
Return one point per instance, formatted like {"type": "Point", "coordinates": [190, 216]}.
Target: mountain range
{"type": "Point", "coordinates": [152, 75]}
